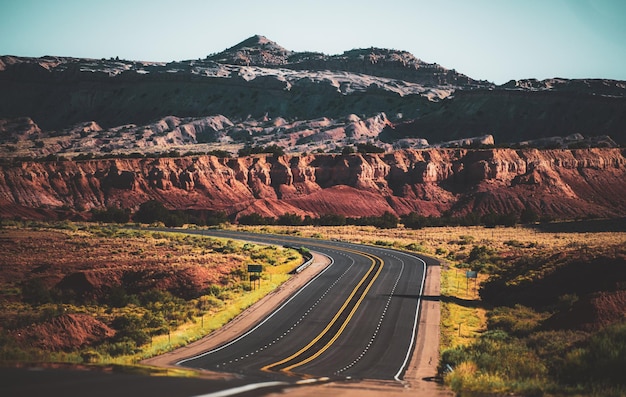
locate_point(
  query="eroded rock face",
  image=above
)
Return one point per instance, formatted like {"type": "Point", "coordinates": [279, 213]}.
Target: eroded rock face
{"type": "Point", "coordinates": [563, 183]}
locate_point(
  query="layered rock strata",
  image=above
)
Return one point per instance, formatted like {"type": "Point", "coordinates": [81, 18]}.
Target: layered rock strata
{"type": "Point", "coordinates": [560, 183]}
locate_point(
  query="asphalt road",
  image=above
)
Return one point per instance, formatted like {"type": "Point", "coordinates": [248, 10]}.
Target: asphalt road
{"type": "Point", "coordinates": [357, 319]}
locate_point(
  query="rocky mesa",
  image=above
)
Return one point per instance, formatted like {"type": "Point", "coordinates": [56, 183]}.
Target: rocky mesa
{"type": "Point", "coordinates": [557, 183]}
{"type": "Point", "coordinates": [259, 80]}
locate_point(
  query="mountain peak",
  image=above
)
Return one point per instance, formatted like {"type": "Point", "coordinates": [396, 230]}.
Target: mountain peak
{"type": "Point", "coordinates": [256, 40]}
{"type": "Point", "coordinates": [260, 51]}
{"type": "Point", "coordinates": [255, 50]}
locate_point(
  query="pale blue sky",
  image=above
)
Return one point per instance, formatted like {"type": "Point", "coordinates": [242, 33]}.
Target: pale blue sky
{"type": "Point", "coordinates": [495, 40]}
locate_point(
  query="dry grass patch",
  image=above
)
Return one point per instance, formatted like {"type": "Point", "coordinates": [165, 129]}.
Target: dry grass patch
{"type": "Point", "coordinates": [463, 317]}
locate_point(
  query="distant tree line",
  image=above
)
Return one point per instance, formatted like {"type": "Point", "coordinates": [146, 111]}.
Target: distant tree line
{"type": "Point", "coordinates": [270, 149]}
{"type": "Point", "coordinates": [385, 221]}
{"type": "Point", "coordinates": [492, 219]}
{"type": "Point", "coordinates": [154, 211]}
{"type": "Point", "coordinates": [362, 148]}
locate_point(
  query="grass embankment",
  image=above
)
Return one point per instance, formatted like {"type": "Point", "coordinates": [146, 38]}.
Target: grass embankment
{"type": "Point", "coordinates": [202, 325]}
{"type": "Point", "coordinates": [156, 291]}
{"type": "Point", "coordinates": [463, 316]}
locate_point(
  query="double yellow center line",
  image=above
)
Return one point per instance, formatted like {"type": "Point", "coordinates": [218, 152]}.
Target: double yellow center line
{"type": "Point", "coordinates": [336, 326]}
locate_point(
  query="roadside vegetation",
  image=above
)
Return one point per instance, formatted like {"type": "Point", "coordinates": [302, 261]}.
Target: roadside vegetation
{"type": "Point", "coordinates": [544, 316]}
{"type": "Point", "coordinates": [105, 294]}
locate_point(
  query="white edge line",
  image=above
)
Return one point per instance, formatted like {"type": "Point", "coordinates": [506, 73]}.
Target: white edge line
{"type": "Point", "coordinates": [417, 311]}
{"type": "Point", "coordinates": [255, 386]}
{"type": "Point", "coordinates": [332, 262]}
{"type": "Point", "coordinates": [242, 389]}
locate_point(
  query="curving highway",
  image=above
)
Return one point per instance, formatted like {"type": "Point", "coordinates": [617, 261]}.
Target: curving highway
{"type": "Point", "coordinates": [356, 319]}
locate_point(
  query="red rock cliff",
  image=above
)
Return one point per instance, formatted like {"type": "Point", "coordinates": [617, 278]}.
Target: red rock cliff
{"type": "Point", "coordinates": [562, 183]}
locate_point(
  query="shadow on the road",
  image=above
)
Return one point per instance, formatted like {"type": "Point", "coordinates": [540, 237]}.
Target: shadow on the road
{"type": "Point", "coordinates": [431, 298]}
{"type": "Point", "coordinates": [415, 297]}
{"type": "Point", "coordinates": [448, 299]}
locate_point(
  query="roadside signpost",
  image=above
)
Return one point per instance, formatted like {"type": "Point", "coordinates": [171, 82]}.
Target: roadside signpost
{"type": "Point", "coordinates": [471, 274]}
{"type": "Point", "coordinates": [254, 273]}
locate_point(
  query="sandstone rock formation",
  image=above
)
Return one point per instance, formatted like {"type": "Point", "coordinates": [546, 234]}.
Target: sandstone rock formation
{"type": "Point", "coordinates": [560, 183]}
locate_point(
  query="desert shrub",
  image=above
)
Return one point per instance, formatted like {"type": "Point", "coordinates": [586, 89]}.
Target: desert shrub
{"type": "Point", "coordinates": [255, 219]}
{"type": "Point", "coordinates": [415, 247]}
{"type": "Point", "coordinates": [480, 253]}
{"type": "Point", "coordinates": [481, 258]}
{"type": "Point", "coordinates": [154, 296]}
{"type": "Point", "coordinates": [118, 297]}
{"type": "Point", "coordinates": [220, 153]}
{"type": "Point", "coordinates": [495, 355]}
{"type": "Point", "coordinates": [271, 149]}
{"type": "Point", "coordinates": [603, 360]}
{"type": "Point", "coordinates": [91, 356]}
{"type": "Point", "coordinates": [288, 219]}
{"type": "Point", "coordinates": [493, 219]}
{"type": "Point", "coordinates": [563, 303]}
{"type": "Point", "coordinates": [111, 215]}
{"type": "Point", "coordinates": [155, 323]}
{"type": "Point", "coordinates": [441, 251]}
{"type": "Point", "coordinates": [121, 348]}
{"type": "Point", "coordinates": [553, 347]}
{"type": "Point", "coordinates": [208, 302]}
{"type": "Point", "coordinates": [214, 218]}
{"type": "Point", "coordinates": [518, 320]}
{"type": "Point", "coordinates": [466, 239]}
{"type": "Point", "coordinates": [369, 148]}
{"type": "Point", "coordinates": [385, 221]}
{"type": "Point", "coordinates": [515, 244]}
{"type": "Point", "coordinates": [65, 225]}
{"type": "Point", "coordinates": [131, 327]}
{"type": "Point", "coordinates": [331, 220]}
{"type": "Point", "coordinates": [153, 211]}
{"type": "Point", "coordinates": [34, 291]}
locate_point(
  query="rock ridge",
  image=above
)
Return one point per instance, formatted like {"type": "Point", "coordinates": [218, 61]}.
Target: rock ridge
{"type": "Point", "coordinates": [558, 183]}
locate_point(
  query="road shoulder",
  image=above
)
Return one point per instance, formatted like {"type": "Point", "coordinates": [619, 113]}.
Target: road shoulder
{"type": "Point", "coordinates": [420, 373]}
{"type": "Point", "coordinates": [422, 369]}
